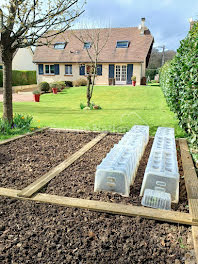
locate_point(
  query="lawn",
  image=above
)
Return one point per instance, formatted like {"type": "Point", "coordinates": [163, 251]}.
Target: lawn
{"type": "Point", "coordinates": [122, 107]}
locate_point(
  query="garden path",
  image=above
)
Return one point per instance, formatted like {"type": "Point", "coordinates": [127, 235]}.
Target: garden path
{"type": "Point", "coordinates": [20, 97]}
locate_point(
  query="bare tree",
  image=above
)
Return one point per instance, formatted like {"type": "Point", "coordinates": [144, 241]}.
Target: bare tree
{"type": "Point", "coordinates": [156, 58]}
{"type": "Point", "coordinates": [22, 23]}
{"type": "Point", "coordinates": [96, 39]}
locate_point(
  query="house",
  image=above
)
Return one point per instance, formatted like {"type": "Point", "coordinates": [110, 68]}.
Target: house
{"type": "Point", "coordinates": [22, 60]}
{"type": "Point", "coordinates": [125, 54]}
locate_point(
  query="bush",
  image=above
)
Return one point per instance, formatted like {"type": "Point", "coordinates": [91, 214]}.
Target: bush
{"type": "Point", "coordinates": [44, 87]}
{"type": "Point", "coordinates": [20, 78]}
{"type": "Point", "coordinates": [69, 84]}
{"type": "Point", "coordinates": [61, 85]}
{"type": "Point", "coordinates": [80, 82]}
{"type": "Point", "coordinates": [179, 82]}
{"type": "Point", "coordinates": [151, 73]}
{"type": "Point", "coordinates": [56, 85]}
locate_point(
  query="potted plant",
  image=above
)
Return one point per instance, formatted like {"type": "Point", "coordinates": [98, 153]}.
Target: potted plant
{"type": "Point", "coordinates": [54, 87]}
{"type": "Point", "coordinates": [36, 95]}
{"type": "Point", "coordinates": [133, 80]}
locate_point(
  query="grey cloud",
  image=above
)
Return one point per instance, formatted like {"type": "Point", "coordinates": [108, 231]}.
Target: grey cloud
{"type": "Point", "coordinates": [166, 19]}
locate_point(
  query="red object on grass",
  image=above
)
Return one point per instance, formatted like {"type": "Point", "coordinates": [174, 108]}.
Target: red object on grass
{"type": "Point", "coordinates": [37, 97]}
{"type": "Point", "coordinates": [55, 90]}
{"type": "Point", "coordinates": [133, 83]}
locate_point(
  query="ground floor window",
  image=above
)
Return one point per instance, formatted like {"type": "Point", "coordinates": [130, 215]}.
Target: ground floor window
{"type": "Point", "coordinates": [1, 67]}
{"type": "Point", "coordinates": [68, 69]}
{"type": "Point", "coordinates": [49, 69]}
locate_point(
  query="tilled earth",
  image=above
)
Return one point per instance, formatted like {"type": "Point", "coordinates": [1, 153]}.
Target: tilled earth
{"type": "Point", "coordinates": [78, 179]}
{"type": "Point", "coordinates": [50, 234]}
{"type": "Point", "coordinates": [24, 160]}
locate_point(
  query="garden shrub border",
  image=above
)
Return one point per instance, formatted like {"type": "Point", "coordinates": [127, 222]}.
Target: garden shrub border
{"type": "Point", "coordinates": [20, 78]}
{"type": "Point", "coordinates": [179, 83]}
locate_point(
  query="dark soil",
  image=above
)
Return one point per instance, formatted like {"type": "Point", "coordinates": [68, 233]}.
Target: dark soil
{"type": "Point", "coordinates": [50, 234]}
{"type": "Point", "coordinates": [24, 160]}
{"type": "Point", "coordinates": [78, 179]}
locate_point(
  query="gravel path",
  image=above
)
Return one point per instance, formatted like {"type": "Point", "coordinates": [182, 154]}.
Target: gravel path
{"type": "Point", "coordinates": [28, 97]}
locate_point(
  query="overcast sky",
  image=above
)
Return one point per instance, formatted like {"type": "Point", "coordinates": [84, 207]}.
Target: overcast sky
{"type": "Point", "coordinates": [166, 19]}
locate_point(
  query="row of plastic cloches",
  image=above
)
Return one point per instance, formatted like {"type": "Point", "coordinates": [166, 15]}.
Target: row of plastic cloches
{"type": "Point", "coordinates": [117, 171]}
{"type": "Point", "coordinates": [160, 184]}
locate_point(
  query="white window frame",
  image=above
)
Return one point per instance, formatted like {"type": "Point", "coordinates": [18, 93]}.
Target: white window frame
{"type": "Point", "coordinates": [69, 67]}
{"type": "Point", "coordinates": [50, 70]}
{"type": "Point", "coordinates": [59, 45]}
{"type": "Point", "coordinates": [122, 47]}
{"type": "Point", "coordinates": [120, 81]}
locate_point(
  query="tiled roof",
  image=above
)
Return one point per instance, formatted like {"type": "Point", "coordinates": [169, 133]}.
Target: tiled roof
{"type": "Point", "coordinates": [74, 51]}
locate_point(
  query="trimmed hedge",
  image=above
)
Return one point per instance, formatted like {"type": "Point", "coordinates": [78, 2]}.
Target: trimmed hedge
{"type": "Point", "coordinates": [20, 78]}
{"type": "Point", "coordinates": [179, 82]}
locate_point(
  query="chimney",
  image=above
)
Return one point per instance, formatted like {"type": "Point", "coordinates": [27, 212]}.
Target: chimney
{"type": "Point", "coordinates": [142, 26]}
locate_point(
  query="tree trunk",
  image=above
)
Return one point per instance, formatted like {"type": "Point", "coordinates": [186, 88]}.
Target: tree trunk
{"type": "Point", "coordinates": [88, 90]}
{"type": "Point", "coordinates": [7, 86]}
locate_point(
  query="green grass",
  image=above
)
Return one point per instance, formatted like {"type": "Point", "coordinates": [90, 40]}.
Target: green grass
{"type": "Point", "coordinates": [122, 107]}
{"type": "Point", "coordinates": [15, 133]}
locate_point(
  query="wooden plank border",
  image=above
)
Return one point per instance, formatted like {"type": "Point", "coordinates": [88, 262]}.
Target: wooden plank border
{"type": "Point", "coordinates": [190, 177]}
{"type": "Point", "coordinates": [106, 207]}
{"type": "Point", "coordinates": [191, 183]}
{"type": "Point", "coordinates": [43, 180]}
{"type": "Point", "coordinates": [21, 136]}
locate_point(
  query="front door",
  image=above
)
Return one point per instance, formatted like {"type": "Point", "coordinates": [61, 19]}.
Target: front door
{"type": "Point", "coordinates": [121, 74]}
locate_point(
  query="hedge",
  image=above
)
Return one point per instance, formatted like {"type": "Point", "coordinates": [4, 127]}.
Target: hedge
{"type": "Point", "coordinates": [179, 82]}
{"type": "Point", "coordinates": [20, 78]}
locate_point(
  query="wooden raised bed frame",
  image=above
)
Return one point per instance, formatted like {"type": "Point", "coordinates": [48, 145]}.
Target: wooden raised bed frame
{"type": "Point", "coordinates": [190, 176]}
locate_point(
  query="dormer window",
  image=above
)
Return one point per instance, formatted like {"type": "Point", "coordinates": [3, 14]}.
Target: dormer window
{"type": "Point", "coordinates": [122, 44]}
{"type": "Point", "coordinates": [87, 45]}
{"type": "Point", "coordinates": [60, 45]}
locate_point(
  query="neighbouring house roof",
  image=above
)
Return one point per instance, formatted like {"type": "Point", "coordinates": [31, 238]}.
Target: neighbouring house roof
{"type": "Point", "coordinates": [74, 52]}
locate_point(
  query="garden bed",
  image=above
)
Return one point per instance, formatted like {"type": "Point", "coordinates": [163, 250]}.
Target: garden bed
{"type": "Point", "coordinates": [78, 179]}
{"type": "Point", "coordinates": [24, 160]}
{"type": "Point", "coordinates": [42, 233]}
